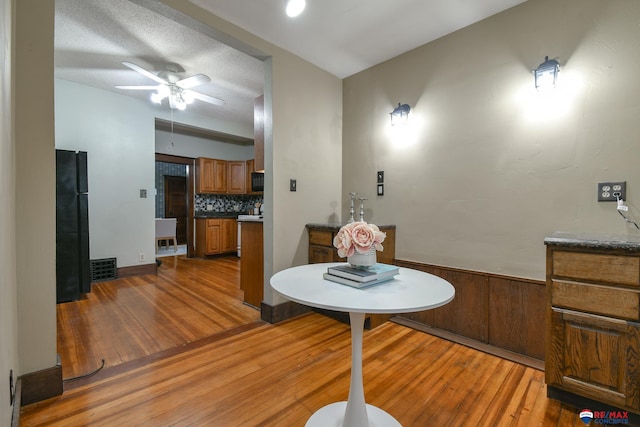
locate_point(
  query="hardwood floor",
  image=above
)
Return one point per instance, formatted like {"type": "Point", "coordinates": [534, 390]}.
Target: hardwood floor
{"type": "Point", "coordinates": [129, 318]}
{"type": "Point", "coordinates": [225, 367]}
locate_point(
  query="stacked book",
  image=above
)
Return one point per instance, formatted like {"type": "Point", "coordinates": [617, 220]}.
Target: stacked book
{"type": "Point", "coordinates": [361, 277]}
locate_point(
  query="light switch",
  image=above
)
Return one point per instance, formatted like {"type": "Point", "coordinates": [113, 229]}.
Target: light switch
{"type": "Point", "coordinates": [292, 185]}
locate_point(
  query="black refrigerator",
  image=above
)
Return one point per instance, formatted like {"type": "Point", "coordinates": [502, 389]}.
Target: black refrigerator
{"type": "Point", "coordinates": [73, 275]}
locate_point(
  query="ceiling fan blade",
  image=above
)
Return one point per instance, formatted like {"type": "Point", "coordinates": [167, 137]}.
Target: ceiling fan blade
{"type": "Point", "coordinates": [207, 98]}
{"type": "Point", "coordinates": [193, 81]}
{"type": "Point", "coordinates": [137, 87]}
{"type": "Point", "coordinates": [144, 72]}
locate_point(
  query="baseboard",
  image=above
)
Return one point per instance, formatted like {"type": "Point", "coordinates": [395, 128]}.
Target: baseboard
{"type": "Point", "coordinates": [468, 342]}
{"type": "Point", "coordinates": [15, 413]}
{"type": "Point", "coordinates": [41, 385]}
{"type": "Point", "coordinates": [280, 312]}
{"type": "Point", "coordinates": [137, 270]}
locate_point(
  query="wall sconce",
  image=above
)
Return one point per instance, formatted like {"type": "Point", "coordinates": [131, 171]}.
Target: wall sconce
{"type": "Point", "coordinates": [400, 114]}
{"type": "Point", "coordinates": [294, 7]}
{"type": "Point", "coordinates": [546, 74]}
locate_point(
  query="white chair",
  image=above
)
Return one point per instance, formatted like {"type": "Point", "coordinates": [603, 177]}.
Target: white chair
{"type": "Point", "coordinates": [166, 230]}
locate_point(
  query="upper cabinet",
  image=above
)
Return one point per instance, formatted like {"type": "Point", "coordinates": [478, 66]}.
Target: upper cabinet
{"type": "Point", "coordinates": [219, 176]}
{"type": "Point", "coordinates": [214, 176]}
{"type": "Point", "coordinates": [236, 180]}
{"type": "Point", "coordinates": [258, 130]}
{"type": "Point", "coordinates": [204, 175]}
{"type": "Point", "coordinates": [211, 175]}
{"type": "Point", "coordinates": [249, 167]}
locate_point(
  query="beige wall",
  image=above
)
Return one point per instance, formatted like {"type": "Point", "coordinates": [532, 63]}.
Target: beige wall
{"type": "Point", "coordinates": [35, 185]}
{"type": "Point", "coordinates": [8, 283]}
{"type": "Point", "coordinates": [489, 167]}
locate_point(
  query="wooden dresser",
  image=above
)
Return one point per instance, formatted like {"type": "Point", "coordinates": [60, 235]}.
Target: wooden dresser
{"type": "Point", "coordinates": [321, 249]}
{"type": "Point", "coordinates": [593, 320]}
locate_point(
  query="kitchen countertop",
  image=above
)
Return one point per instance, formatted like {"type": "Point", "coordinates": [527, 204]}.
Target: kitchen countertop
{"type": "Point", "coordinates": [603, 241]}
{"type": "Point", "coordinates": [254, 218]}
{"type": "Point", "coordinates": [217, 214]}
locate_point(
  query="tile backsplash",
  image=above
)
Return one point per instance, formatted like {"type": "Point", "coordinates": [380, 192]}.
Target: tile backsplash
{"type": "Point", "coordinates": [226, 202]}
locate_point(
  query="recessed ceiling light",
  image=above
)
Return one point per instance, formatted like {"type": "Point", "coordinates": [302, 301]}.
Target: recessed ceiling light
{"type": "Point", "coordinates": [295, 7]}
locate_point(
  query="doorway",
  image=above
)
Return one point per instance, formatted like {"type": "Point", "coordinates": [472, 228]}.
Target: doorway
{"type": "Point", "coordinates": [176, 172]}
{"type": "Point", "coordinates": [175, 204]}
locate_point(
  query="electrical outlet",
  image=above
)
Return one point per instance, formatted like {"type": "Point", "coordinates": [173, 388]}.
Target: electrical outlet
{"type": "Point", "coordinates": [607, 191]}
{"type": "Point", "coordinates": [141, 257]}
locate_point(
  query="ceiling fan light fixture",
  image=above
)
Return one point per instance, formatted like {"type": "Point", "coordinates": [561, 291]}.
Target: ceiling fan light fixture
{"type": "Point", "coordinates": [156, 98]}
{"type": "Point", "coordinates": [187, 96]}
{"type": "Point", "coordinates": [171, 86]}
{"type": "Point", "coordinates": [295, 7]}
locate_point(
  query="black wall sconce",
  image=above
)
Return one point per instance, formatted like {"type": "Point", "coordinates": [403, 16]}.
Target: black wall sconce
{"type": "Point", "coordinates": [400, 114]}
{"type": "Point", "coordinates": [546, 75]}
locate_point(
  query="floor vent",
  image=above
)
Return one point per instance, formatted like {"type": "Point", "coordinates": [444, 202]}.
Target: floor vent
{"type": "Point", "coordinates": [103, 269]}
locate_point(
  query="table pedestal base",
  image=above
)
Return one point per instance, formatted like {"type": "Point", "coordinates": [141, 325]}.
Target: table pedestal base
{"type": "Point", "coordinates": [332, 416]}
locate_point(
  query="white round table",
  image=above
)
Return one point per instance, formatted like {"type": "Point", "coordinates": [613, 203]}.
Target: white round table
{"type": "Point", "coordinates": [410, 291]}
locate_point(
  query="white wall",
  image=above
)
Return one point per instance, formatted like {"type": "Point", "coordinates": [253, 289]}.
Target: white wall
{"type": "Point", "coordinates": [489, 167]}
{"type": "Point", "coordinates": [118, 134]}
{"type": "Point", "coordinates": [8, 283]}
{"type": "Point", "coordinates": [191, 146]}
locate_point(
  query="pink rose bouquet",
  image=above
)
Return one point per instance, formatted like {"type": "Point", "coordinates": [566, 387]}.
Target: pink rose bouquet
{"type": "Point", "coordinates": [358, 237]}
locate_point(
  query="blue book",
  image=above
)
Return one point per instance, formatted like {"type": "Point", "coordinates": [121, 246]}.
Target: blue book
{"type": "Point", "coordinates": [367, 274]}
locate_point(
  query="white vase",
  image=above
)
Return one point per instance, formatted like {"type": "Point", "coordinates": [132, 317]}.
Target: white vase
{"type": "Point", "coordinates": [363, 260]}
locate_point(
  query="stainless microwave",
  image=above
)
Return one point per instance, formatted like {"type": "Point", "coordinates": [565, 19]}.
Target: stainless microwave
{"type": "Point", "coordinates": [257, 181]}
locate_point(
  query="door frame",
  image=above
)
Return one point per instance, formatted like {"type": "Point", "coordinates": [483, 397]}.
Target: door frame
{"type": "Point", "coordinates": [190, 163]}
{"type": "Point", "coordinates": [182, 220]}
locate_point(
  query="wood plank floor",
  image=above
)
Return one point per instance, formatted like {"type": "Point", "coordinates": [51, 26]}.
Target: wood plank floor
{"type": "Point", "coordinates": [129, 318]}
{"type": "Point", "coordinates": [250, 373]}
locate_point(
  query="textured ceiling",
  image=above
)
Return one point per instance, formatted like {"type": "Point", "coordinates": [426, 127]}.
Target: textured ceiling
{"type": "Point", "coordinates": [93, 37]}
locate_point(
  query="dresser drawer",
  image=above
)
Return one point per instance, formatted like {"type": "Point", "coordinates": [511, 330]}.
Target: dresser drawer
{"type": "Point", "coordinates": [613, 269]}
{"type": "Point", "coordinates": [598, 299]}
{"type": "Point", "coordinates": [323, 238]}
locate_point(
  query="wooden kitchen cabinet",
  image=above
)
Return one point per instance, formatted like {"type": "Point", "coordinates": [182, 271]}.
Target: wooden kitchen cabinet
{"type": "Point", "coordinates": [229, 235]}
{"type": "Point", "coordinates": [215, 176]}
{"type": "Point", "coordinates": [593, 320]}
{"type": "Point", "coordinates": [249, 167]}
{"type": "Point", "coordinates": [321, 249]}
{"type": "Point", "coordinates": [216, 236]}
{"type": "Point", "coordinates": [252, 263]}
{"type": "Point", "coordinates": [211, 175]}
{"type": "Point", "coordinates": [204, 175]}
{"type": "Point", "coordinates": [236, 177]}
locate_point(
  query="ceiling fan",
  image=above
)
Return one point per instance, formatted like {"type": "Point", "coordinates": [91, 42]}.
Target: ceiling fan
{"type": "Point", "coordinates": [171, 86]}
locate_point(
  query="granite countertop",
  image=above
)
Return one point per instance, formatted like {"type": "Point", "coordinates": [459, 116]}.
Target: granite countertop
{"type": "Point", "coordinates": [254, 219]}
{"type": "Point", "coordinates": [336, 226]}
{"type": "Point", "coordinates": [602, 241]}
{"type": "Point", "coordinates": [207, 214]}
